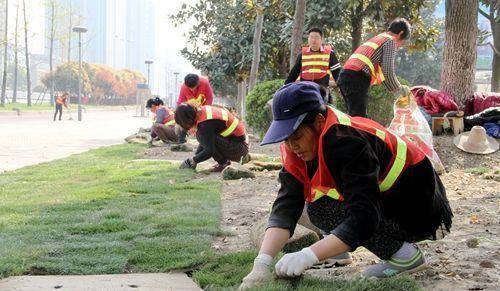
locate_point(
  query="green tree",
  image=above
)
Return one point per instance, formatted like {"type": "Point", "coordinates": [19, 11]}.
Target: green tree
{"type": "Point", "coordinates": [493, 16]}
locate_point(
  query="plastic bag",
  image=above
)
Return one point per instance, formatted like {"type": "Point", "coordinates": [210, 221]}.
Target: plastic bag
{"type": "Point", "coordinates": [410, 123]}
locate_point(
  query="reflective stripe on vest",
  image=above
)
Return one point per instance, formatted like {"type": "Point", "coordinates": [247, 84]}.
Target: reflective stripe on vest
{"type": "Point", "coordinates": [315, 65]}
{"type": "Point", "coordinates": [225, 117]}
{"type": "Point", "coordinates": [377, 76]}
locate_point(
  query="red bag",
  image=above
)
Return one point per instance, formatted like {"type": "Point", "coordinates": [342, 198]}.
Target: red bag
{"type": "Point", "coordinates": [433, 101]}
{"type": "Point", "coordinates": [481, 101]}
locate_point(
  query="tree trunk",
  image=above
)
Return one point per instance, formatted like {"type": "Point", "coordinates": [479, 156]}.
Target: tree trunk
{"type": "Point", "coordinates": [298, 30]}
{"type": "Point", "coordinates": [259, 19]}
{"type": "Point", "coordinates": [356, 26]}
{"type": "Point", "coordinates": [51, 50]}
{"type": "Point", "coordinates": [495, 30]}
{"type": "Point", "coordinates": [69, 31]}
{"type": "Point", "coordinates": [4, 77]}
{"type": "Point", "coordinates": [27, 54]}
{"type": "Point", "coordinates": [459, 58]}
{"type": "Point", "coordinates": [16, 59]}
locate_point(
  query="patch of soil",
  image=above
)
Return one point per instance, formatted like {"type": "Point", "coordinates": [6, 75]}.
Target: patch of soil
{"type": "Point", "coordinates": [474, 197]}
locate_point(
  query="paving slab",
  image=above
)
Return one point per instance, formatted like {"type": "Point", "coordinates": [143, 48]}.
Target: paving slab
{"type": "Point", "coordinates": [135, 282]}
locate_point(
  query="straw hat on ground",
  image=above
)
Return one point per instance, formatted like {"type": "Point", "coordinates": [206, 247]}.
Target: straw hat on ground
{"type": "Point", "coordinates": [476, 141]}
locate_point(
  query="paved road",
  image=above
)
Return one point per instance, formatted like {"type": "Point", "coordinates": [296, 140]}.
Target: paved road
{"type": "Point", "coordinates": [32, 139]}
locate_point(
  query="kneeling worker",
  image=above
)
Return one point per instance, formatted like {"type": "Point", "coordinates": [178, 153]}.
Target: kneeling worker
{"type": "Point", "coordinates": [220, 134]}
{"type": "Point", "coordinates": [164, 123]}
{"type": "Point", "coordinates": [362, 185]}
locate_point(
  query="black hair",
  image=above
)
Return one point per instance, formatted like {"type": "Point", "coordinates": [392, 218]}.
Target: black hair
{"type": "Point", "coordinates": [316, 29]}
{"type": "Point", "coordinates": [185, 115]}
{"type": "Point", "coordinates": [401, 25]}
{"type": "Point", "coordinates": [311, 115]}
{"type": "Point", "coordinates": [191, 80]}
{"type": "Point", "coordinates": [154, 101]}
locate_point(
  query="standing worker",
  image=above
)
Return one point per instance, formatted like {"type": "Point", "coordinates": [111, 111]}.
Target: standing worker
{"type": "Point", "coordinates": [60, 101]}
{"type": "Point", "coordinates": [316, 62]}
{"type": "Point", "coordinates": [196, 90]}
{"type": "Point", "coordinates": [372, 64]}
{"type": "Point", "coordinates": [220, 134]}
{"type": "Point", "coordinates": [362, 185]}
{"type": "Point", "coordinates": [164, 122]}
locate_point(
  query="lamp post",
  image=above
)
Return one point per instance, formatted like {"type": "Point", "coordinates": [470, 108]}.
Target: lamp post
{"type": "Point", "coordinates": [79, 30]}
{"type": "Point", "coordinates": [175, 87]}
{"type": "Point", "coordinates": [148, 62]}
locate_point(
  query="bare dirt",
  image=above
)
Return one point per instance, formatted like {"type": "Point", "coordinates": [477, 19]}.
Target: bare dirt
{"type": "Point", "coordinates": [466, 259]}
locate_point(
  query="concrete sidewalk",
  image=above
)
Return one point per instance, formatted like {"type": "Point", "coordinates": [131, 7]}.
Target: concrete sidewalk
{"type": "Point", "coordinates": [153, 281]}
{"type": "Point", "coordinates": [29, 140]}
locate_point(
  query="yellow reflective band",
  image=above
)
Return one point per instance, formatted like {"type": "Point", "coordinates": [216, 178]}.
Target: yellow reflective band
{"type": "Point", "coordinates": [314, 71]}
{"type": "Point", "coordinates": [209, 112]}
{"type": "Point", "coordinates": [313, 63]}
{"type": "Point", "coordinates": [397, 166]}
{"type": "Point", "coordinates": [318, 56]}
{"type": "Point", "coordinates": [342, 117]}
{"type": "Point", "coordinates": [371, 44]}
{"type": "Point", "coordinates": [380, 134]}
{"type": "Point", "coordinates": [171, 122]}
{"type": "Point", "coordinates": [365, 60]}
{"type": "Point", "coordinates": [385, 34]}
{"type": "Point", "coordinates": [231, 128]}
{"type": "Point", "coordinates": [333, 193]}
{"type": "Point", "coordinates": [224, 115]}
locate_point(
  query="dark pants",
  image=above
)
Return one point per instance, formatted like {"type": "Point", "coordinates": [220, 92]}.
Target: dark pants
{"type": "Point", "coordinates": [227, 150]}
{"type": "Point", "coordinates": [58, 109]}
{"type": "Point", "coordinates": [354, 88]}
{"type": "Point", "coordinates": [182, 136]}
{"type": "Point", "coordinates": [164, 132]}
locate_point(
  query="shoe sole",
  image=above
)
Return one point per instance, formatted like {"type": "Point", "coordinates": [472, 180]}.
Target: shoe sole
{"type": "Point", "coordinates": [408, 272]}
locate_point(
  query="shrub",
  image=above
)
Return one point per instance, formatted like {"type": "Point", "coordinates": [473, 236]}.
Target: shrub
{"type": "Point", "coordinates": [380, 103]}
{"type": "Point", "coordinates": [258, 114]}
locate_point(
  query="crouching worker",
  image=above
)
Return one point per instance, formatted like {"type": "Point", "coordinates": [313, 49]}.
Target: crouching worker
{"type": "Point", "coordinates": [164, 123]}
{"type": "Point", "coordinates": [220, 134]}
{"type": "Point", "coordinates": [361, 184]}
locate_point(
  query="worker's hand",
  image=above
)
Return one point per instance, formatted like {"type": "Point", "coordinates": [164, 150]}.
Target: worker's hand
{"type": "Point", "coordinates": [404, 91]}
{"type": "Point", "coordinates": [150, 143]}
{"type": "Point", "coordinates": [332, 83]}
{"type": "Point", "coordinates": [260, 273]}
{"type": "Point", "coordinates": [295, 264]}
{"type": "Point", "coordinates": [189, 163]}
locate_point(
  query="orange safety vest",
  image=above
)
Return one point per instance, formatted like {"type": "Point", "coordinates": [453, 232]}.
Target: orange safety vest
{"type": "Point", "coordinates": [315, 65]}
{"type": "Point", "coordinates": [404, 154]}
{"type": "Point", "coordinates": [60, 100]}
{"type": "Point", "coordinates": [169, 119]}
{"type": "Point", "coordinates": [362, 57]}
{"type": "Point", "coordinates": [233, 126]}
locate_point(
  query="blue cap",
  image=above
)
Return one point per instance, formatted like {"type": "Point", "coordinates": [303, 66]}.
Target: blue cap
{"type": "Point", "coordinates": [291, 103]}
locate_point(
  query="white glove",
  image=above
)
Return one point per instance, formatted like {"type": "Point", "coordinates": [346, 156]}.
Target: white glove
{"type": "Point", "coordinates": [295, 264]}
{"type": "Point", "coordinates": [260, 273]}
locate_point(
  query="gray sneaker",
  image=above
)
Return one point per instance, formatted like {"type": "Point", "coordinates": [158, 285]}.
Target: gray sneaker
{"type": "Point", "coordinates": [341, 260]}
{"type": "Point", "coordinates": [392, 267]}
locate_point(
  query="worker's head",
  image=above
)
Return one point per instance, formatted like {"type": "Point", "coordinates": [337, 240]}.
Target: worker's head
{"type": "Point", "coordinates": [191, 81]}
{"type": "Point", "coordinates": [65, 95]}
{"type": "Point", "coordinates": [153, 104]}
{"type": "Point", "coordinates": [402, 28]}
{"type": "Point", "coordinates": [315, 38]}
{"type": "Point", "coordinates": [299, 116]}
{"type": "Point", "coordinates": [185, 115]}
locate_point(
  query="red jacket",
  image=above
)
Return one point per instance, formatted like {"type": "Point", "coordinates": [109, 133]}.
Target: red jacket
{"type": "Point", "coordinates": [203, 93]}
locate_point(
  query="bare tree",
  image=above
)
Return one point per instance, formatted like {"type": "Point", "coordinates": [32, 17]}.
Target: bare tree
{"type": "Point", "coordinates": [16, 59]}
{"type": "Point", "coordinates": [5, 60]}
{"type": "Point", "coordinates": [298, 29]}
{"type": "Point", "coordinates": [254, 70]}
{"type": "Point", "coordinates": [52, 35]}
{"type": "Point", "coordinates": [27, 54]}
{"type": "Point", "coordinates": [493, 16]}
{"type": "Point", "coordinates": [459, 58]}
{"type": "Point", "coordinates": [70, 8]}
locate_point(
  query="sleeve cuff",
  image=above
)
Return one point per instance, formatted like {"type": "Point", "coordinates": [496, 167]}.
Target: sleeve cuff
{"type": "Point", "coordinates": [346, 235]}
{"type": "Point", "coordinates": [280, 223]}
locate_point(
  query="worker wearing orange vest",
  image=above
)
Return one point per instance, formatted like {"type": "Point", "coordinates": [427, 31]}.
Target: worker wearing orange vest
{"type": "Point", "coordinates": [316, 62]}
{"type": "Point", "coordinates": [60, 101]}
{"type": "Point", "coordinates": [361, 185]}
{"type": "Point", "coordinates": [372, 64]}
{"type": "Point", "coordinates": [220, 134]}
{"type": "Point", "coordinates": [163, 123]}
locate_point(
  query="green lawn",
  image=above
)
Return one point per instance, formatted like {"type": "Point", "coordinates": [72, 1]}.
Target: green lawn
{"type": "Point", "coordinates": [100, 212]}
{"type": "Point", "coordinates": [225, 272]}
{"type": "Point", "coordinates": [24, 107]}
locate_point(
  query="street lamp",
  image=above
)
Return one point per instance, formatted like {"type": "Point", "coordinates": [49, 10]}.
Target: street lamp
{"type": "Point", "coordinates": [79, 30]}
{"type": "Point", "coordinates": [148, 62]}
{"type": "Point", "coordinates": [175, 87]}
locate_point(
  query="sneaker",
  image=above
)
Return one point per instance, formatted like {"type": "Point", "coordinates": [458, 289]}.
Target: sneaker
{"type": "Point", "coordinates": [341, 260]}
{"type": "Point", "coordinates": [219, 167]}
{"type": "Point", "coordinates": [245, 159]}
{"type": "Point", "coordinates": [392, 267]}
